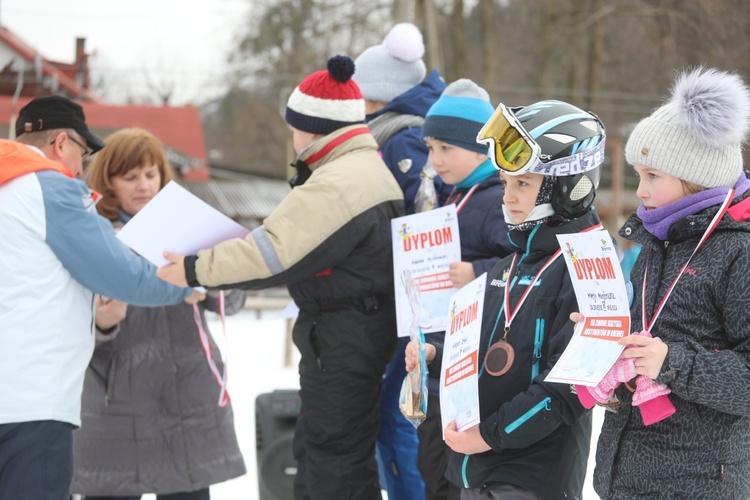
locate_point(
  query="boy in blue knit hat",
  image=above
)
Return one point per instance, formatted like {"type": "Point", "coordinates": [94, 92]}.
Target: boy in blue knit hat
{"type": "Point", "coordinates": [450, 131]}
{"type": "Point", "coordinates": [398, 92]}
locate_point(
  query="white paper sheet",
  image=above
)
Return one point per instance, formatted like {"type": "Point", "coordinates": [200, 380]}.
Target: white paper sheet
{"type": "Point", "coordinates": [424, 246]}
{"type": "Point", "coordinates": [177, 221]}
{"type": "Point", "coordinates": [603, 299]}
{"type": "Point", "coordinates": [291, 311]}
{"type": "Point", "coordinates": [459, 372]}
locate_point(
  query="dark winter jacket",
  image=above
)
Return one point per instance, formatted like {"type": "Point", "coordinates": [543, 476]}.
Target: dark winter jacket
{"type": "Point", "coordinates": [481, 225]}
{"type": "Point", "coordinates": [329, 240]}
{"type": "Point", "coordinates": [150, 415]}
{"type": "Point", "coordinates": [484, 238]}
{"type": "Point", "coordinates": [538, 431]}
{"type": "Point", "coordinates": [405, 152]}
{"type": "Point", "coordinates": [703, 450]}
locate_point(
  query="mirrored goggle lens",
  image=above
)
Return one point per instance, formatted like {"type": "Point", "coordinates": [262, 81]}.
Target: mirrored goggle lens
{"type": "Point", "coordinates": [511, 148]}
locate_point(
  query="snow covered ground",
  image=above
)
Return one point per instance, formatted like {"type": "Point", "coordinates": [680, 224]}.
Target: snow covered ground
{"type": "Point", "coordinates": [255, 342]}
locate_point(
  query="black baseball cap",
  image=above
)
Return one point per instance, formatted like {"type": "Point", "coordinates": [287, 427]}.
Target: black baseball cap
{"type": "Point", "coordinates": [53, 112]}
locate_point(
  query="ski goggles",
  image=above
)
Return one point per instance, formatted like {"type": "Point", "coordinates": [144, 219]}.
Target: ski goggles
{"type": "Point", "coordinates": [511, 147]}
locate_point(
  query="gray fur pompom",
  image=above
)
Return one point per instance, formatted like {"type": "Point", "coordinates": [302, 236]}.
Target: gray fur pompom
{"type": "Point", "coordinates": [714, 106]}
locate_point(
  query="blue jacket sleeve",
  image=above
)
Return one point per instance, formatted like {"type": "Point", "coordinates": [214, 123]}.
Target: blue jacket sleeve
{"type": "Point", "coordinates": [88, 248]}
{"type": "Point", "coordinates": [406, 148]}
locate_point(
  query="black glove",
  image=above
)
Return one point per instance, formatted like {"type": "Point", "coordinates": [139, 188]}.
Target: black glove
{"type": "Point", "coordinates": [303, 173]}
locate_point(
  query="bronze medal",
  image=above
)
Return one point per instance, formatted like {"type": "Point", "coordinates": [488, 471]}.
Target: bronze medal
{"type": "Point", "coordinates": [500, 355]}
{"type": "Point", "coordinates": [499, 358]}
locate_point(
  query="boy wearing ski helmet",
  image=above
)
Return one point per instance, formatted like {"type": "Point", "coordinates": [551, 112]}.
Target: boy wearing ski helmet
{"type": "Point", "coordinates": [533, 439]}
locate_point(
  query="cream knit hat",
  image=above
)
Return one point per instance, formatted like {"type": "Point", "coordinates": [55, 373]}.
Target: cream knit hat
{"type": "Point", "coordinates": [697, 135]}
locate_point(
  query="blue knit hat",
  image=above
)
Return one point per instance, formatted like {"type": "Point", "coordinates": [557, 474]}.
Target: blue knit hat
{"type": "Point", "coordinates": [458, 116]}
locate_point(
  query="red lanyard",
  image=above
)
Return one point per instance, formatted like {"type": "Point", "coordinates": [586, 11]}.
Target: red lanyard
{"type": "Point", "coordinates": [715, 222]}
{"type": "Point", "coordinates": [510, 317]}
{"type": "Point", "coordinates": [221, 378]}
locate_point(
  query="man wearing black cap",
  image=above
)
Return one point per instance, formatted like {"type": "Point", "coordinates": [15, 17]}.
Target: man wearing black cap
{"type": "Point", "coordinates": [55, 254]}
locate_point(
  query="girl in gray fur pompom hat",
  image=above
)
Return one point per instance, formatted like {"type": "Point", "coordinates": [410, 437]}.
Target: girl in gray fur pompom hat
{"type": "Point", "coordinates": [697, 135]}
{"type": "Point", "coordinates": [690, 306]}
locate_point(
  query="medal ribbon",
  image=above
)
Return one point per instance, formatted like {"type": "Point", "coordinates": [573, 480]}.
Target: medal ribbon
{"type": "Point", "coordinates": [715, 222]}
{"type": "Point", "coordinates": [221, 378]}
{"type": "Point", "coordinates": [463, 200]}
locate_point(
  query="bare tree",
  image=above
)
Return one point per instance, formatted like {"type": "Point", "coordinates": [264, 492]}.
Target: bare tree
{"type": "Point", "coordinates": [615, 57]}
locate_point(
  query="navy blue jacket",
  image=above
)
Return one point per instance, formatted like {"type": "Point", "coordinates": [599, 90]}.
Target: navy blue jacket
{"type": "Point", "coordinates": [408, 143]}
{"type": "Point", "coordinates": [481, 225]}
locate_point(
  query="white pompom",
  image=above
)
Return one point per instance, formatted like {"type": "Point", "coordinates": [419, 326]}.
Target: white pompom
{"type": "Point", "coordinates": [713, 105]}
{"type": "Point", "coordinates": [404, 42]}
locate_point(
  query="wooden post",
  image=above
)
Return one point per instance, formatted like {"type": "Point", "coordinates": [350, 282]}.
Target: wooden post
{"type": "Point", "coordinates": [616, 154]}
{"type": "Point", "coordinates": [432, 41]}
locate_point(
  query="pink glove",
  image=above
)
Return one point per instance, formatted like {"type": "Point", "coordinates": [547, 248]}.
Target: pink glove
{"type": "Point", "coordinates": [585, 397]}
{"type": "Point", "coordinates": [622, 371]}
{"type": "Point", "coordinates": [651, 397]}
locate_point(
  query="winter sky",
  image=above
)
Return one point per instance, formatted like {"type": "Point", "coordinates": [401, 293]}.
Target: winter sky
{"type": "Point", "coordinates": [186, 41]}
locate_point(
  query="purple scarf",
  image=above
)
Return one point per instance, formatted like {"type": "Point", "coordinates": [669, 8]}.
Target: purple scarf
{"type": "Point", "coordinates": [659, 221]}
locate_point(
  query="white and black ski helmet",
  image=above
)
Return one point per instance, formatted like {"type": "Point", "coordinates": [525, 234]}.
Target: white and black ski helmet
{"type": "Point", "coordinates": [572, 145]}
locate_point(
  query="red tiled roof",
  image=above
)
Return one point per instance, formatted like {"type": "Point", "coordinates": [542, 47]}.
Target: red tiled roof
{"type": "Point", "coordinates": [48, 68]}
{"type": "Point", "coordinates": [177, 127]}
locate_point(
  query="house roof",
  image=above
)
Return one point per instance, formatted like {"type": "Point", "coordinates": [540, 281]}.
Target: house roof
{"type": "Point", "coordinates": [49, 68]}
{"type": "Point", "coordinates": [179, 128]}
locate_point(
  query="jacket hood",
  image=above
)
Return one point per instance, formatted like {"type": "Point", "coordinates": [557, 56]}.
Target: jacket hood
{"type": "Point", "coordinates": [543, 238]}
{"type": "Point", "coordinates": [418, 99]}
{"type": "Point", "coordinates": [19, 159]}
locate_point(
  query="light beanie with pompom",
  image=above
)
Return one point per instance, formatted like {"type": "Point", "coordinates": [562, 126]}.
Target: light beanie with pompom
{"type": "Point", "coordinates": [386, 71]}
{"type": "Point", "coordinates": [697, 135]}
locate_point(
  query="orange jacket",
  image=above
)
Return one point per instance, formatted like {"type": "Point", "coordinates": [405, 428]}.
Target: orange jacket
{"type": "Point", "coordinates": [19, 159]}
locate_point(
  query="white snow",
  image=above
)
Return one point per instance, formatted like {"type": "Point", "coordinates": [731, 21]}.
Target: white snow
{"type": "Point", "coordinates": [255, 342]}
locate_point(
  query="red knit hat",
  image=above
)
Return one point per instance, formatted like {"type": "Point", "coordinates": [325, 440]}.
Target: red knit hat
{"type": "Point", "coordinates": [327, 100]}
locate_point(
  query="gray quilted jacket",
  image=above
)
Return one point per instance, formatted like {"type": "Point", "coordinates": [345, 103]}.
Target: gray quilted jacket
{"type": "Point", "coordinates": [703, 450]}
{"type": "Point", "coordinates": [150, 418]}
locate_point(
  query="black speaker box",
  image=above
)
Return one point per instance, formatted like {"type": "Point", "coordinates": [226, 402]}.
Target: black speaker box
{"type": "Point", "coordinates": [276, 415]}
